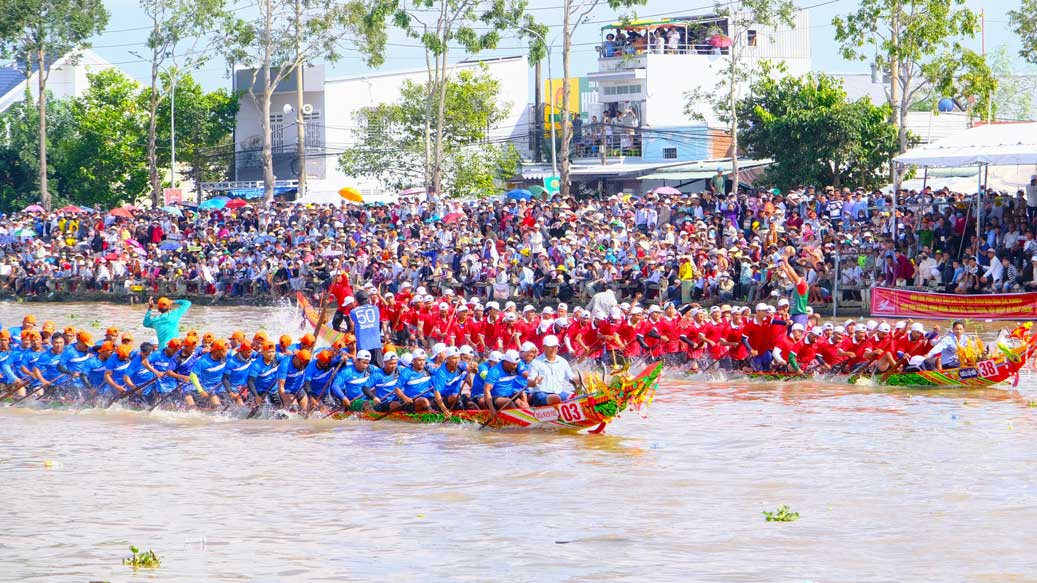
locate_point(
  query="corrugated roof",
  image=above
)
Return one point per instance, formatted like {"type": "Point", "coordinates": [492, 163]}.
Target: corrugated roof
{"type": "Point", "coordinates": [10, 78]}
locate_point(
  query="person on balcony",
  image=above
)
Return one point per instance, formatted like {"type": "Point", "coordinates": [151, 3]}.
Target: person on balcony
{"type": "Point", "coordinates": [608, 48]}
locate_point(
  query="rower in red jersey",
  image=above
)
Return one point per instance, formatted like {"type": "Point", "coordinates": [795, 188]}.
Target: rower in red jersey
{"type": "Point", "coordinates": [786, 350]}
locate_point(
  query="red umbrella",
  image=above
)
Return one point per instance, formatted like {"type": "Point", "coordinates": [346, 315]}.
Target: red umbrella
{"type": "Point", "coordinates": [236, 203]}
{"type": "Point", "coordinates": [70, 209]}
{"type": "Point", "coordinates": [453, 217]}
{"type": "Point", "coordinates": [720, 41]}
{"type": "Point", "coordinates": [121, 212]}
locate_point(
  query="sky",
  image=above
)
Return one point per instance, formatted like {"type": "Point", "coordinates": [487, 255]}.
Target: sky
{"type": "Point", "coordinates": [127, 31]}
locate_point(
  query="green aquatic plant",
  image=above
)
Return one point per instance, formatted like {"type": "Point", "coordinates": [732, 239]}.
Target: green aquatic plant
{"type": "Point", "coordinates": [782, 514]}
{"type": "Point", "coordinates": [1031, 403]}
{"type": "Point", "coordinates": [95, 324]}
{"type": "Point", "coordinates": [139, 560]}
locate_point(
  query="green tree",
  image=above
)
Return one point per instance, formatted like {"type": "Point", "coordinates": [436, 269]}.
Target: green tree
{"type": "Point", "coordinates": [20, 147]}
{"type": "Point", "coordinates": [204, 128]}
{"type": "Point", "coordinates": [35, 31]}
{"type": "Point", "coordinates": [473, 24]}
{"type": "Point", "coordinates": [1024, 24]}
{"type": "Point", "coordinates": [909, 39]}
{"type": "Point", "coordinates": [813, 133]}
{"type": "Point", "coordinates": [391, 149]}
{"type": "Point", "coordinates": [102, 160]}
{"type": "Point", "coordinates": [174, 23]}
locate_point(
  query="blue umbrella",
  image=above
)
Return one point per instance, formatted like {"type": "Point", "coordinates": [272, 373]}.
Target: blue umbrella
{"type": "Point", "coordinates": [520, 194]}
{"type": "Point", "coordinates": [265, 239]}
{"type": "Point", "coordinates": [173, 211]}
{"type": "Point", "coordinates": [87, 209]}
{"type": "Point", "coordinates": [214, 203]}
{"type": "Point", "coordinates": [169, 246]}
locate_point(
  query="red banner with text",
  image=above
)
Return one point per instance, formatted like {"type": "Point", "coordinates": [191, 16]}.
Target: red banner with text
{"type": "Point", "coordinates": [896, 302]}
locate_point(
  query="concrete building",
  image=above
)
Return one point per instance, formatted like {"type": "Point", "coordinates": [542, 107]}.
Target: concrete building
{"type": "Point", "coordinates": [68, 78]}
{"type": "Point", "coordinates": [333, 124]}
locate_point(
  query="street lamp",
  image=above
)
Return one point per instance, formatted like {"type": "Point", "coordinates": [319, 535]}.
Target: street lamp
{"type": "Point", "coordinates": [551, 99]}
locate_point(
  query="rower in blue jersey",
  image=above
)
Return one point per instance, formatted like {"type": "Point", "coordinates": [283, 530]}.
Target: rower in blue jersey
{"type": "Point", "coordinates": [381, 387]}
{"type": "Point", "coordinates": [319, 376]}
{"type": "Point", "coordinates": [210, 370]}
{"type": "Point", "coordinates": [502, 383]}
{"type": "Point", "coordinates": [75, 361]}
{"type": "Point", "coordinates": [307, 342]}
{"type": "Point", "coordinates": [118, 366]}
{"type": "Point", "coordinates": [96, 369]}
{"type": "Point", "coordinates": [448, 381]}
{"type": "Point", "coordinates": [28, 323]}
{"type": "Point", "coordinates": [415, 384]}
{"type": "Point", "coordinates": [349, 383]}
{"type": "Point", "coordinates": [31, 352]}
{"type": "Point", "coordinates": [238, 365]}
{"type": "Point", "coordinates": [46, 365]}
{"type": "Point", "coordinates": [140, 375]}
{"type": "Point", "coordinates": [262, 375]}
{"type": "Point", "coordinates": [365, 321]}
{"type": "Point", "coordinates": [291, 375]}
{"type": "Point", "coordinates": [479, 378]}
{"type": "Point", "coordinates": [187, 357]}
{"type": "Point", "coordinates": [7, 374]}
{"type": "Point", "coordinates": [164, 363]}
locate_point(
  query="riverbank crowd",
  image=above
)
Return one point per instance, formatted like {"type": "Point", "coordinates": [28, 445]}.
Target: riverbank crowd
{"type": "Point", "coordinates": [700, 247]}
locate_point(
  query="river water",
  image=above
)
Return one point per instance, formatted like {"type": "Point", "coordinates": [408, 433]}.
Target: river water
{"type": "Point", "coordinates": [890, 486]}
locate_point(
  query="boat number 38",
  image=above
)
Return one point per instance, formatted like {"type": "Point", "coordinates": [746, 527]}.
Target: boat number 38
{"type": "Point", "coordinates": [987, 368]}
{"type": "Point", "coordinates": [570, 412]}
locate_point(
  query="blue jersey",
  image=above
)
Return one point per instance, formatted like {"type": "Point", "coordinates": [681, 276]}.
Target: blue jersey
{"type": "Point", "coordinates": [505, 384]}
{"type": "Point", "coordinates": [367, 326]}
{"type": "Point", "coordinates": [414, 383]}
{"type": "Point", "coordinates": [210, 373]}
{"type": "Point", "coordinates": [264, 375]}
{"type": "Point", "coordinates": [118, 368]}
{"type": "Point", "coordinates": [7, 362]}
{"type": "Point", "coordinates": [350, 382]}
{"type": "Point", "coordinates": [383, 383]}
{"type": "Point", "coordinates": [479, 379]}
{"type": "Point", "coordinates": [448, 383]}
{"type": "Point", "coordinates": [95, 371]}
{"type": "Point", "coordinates": [237, 370]}
{"type": "Point", "coordinates": [319, 379]}
{"type": "Point", "coordinates": [293, 377]}
{"type": "Point", "coordinates": [48, 363]}
{"type": "Point", "coordinates": [162, 362]}
{"type": "Point", "coordinates": [186, 365]}
{"type": "Point", "coordinates": [76, 361]}
{"type": "Point", "coordinates": [138, 374]}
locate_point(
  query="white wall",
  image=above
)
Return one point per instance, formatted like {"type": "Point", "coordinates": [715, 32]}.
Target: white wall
{"type": "Point", "coordinates": [65, 80]}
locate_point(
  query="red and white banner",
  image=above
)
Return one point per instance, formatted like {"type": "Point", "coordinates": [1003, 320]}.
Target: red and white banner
{"type": "Point", "coordinates": [896, 302]}
{"type": "Point", "coordinates": [172, 196]}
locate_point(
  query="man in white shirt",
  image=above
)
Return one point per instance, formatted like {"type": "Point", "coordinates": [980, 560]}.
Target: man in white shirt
{"type": "Point", "coordinates": [1031, 199]}
{"type": "Point", "coordinates": [555, 374]}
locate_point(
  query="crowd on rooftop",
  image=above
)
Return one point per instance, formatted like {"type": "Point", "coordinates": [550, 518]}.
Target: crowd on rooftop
{"type": "Point", "coordinates": [706, 247]}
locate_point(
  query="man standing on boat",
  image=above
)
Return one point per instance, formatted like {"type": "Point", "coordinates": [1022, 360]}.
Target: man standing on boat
{"type": "Point", "coordinates": [800, 289]}
{"type": "Point", "coordinates": [366, 323]}
{"type": "Point", "coordinates": [340, 289]}
{"type": "Point", "coordinates": [167, 322]}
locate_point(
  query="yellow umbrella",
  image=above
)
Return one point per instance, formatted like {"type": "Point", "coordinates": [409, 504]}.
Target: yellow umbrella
{"type": "Point", "coordinates": [351, 194]}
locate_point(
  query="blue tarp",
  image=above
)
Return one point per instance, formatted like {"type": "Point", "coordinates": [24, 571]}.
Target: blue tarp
{"type": "Point", "coordinates": [257, 192]}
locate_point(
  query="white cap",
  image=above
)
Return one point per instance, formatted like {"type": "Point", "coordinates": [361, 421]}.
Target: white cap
{"type": "Point", "coordinates": [828, 326]}
{"type": "Point", "coordinates": [839, 330]}
{"type": "Point", "coordinates": [809, 311]}
{"type": "Point", "coordinates": [872, 324]}
{"type": "Point", "coordinates": [406, 359]}
{"type": "Point", "coordinates": [466, 350]}
{"type": "Point", "coordinates": [528, 346]}
{"type": "Point", "coordinates": [511, 356]}
{"type": "Point", "coordinates": [566, 306]}
{"type": "Point", "coordinates": [771, 309]}
{"type": "Point", "coordinates": [636, 310]}
{"type": "Point", "coordinates": [422, 290]}
{"type": "Point", "coordinates": [391, 355]}
{"type": "Point", "coordinates": [428, 298]}
{"type": "Point", "coordinates": [783, 302]}
{"type": "Point", "coordinates": [418, 353]}
{"type": "Point", "coordinates": [901, 324]}
{"type": "Point", "coordinates": [448, 292]}
{"type": "Point", "coordinates": [363, 355]}
{"type": "Point", "coordinates": [407, 284]}
{"type": "Point", "coordinates": [761, 307]}
{"type": "Point", "coordinates": [510, 317]}
{"type": "Point", "coordinates": [492, 305]}
{"type": "Point", "coordinates": [918, 327]}
{"type": "Point", "coordinates": [599, 315]}
{"type": "Point", "coordinates": [884, 327]}
{"type": "Point", "coordinates": [849, 323]}
{"type": "Point", "coordinates": [562, 321]}
{"type": "Point", "coordinates": [797, 327]}
{"type": "Point", "coordinates": [443, 306]}
{"type": "Point", "coordinates": [509, 305]}
{"type": "Point", "coordinates": [528, 308]}
{"type": "Point", "coordinates": [654, 308]}
{"type": "Point", "coordinates": [550, 340]}
{"type": "Point", "coordinates": [714, 310]}
{"type": "Point", "coordinates": [462, 308]}
{"type": "Point", "coordinates": [348, 300]}
{"type": "Point", "coordinates": [548, 310]}
{"type": "Point", "coordinates": [451, 351]}
{"type": "Point", "coordinates": [817, 331]}
{"type": "Point", "coordinates": [437, 348]}
{"type": "Point", "coordinates": [495, 356]}
{"type": "Point", "coordinates": [616, 312]}
{"type": "Point", "coordinates": [625, 306]}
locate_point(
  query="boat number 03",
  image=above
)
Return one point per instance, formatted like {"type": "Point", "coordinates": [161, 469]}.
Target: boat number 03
{"type": "Point", "coordinates": [987, 368]}
{"type": "Point", "coordinates": [570, 412]}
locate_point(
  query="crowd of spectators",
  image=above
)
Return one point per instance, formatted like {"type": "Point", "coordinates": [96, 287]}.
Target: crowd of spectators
{"type": "Point", "coordinates": [705, 247]}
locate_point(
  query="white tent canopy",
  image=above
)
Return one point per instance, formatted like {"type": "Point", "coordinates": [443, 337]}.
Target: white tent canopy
{"type": "Point", "coordinates": [997, 145]}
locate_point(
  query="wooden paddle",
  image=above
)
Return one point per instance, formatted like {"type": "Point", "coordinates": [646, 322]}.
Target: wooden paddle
{"type": "Point", "coordinates": [53, 384]}
{"type": "Point", "coordinates": [499, 409]}
{"type": "Point", "coordinates": [390, 412]}
{"type": "Point", "coordinates": [15, 386]}
{"type": "Point", "coordinates": [125, 394]}
{"type": "Point", "coordinates": [168, 395]}
{"type": "Point", "coordinates": [322, 315]}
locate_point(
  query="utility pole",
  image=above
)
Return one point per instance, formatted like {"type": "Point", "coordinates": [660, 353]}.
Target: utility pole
{"type": "Point", "coordinates": [300, 128]}
{"type": "Point", "coordinates": [538, 122]}
{"type": "Point", "coordinates": [172, 128]}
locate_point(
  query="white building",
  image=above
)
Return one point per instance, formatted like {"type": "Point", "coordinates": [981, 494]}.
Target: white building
{"type": "Point", "coordinates": [331, 112]}
{"type": "Point", "coordinates": [68, 78]}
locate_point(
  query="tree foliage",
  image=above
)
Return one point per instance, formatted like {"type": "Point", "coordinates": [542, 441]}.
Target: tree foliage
{"type": "Point", "coordinates": [204, 128]}
{"type": "Point", "coordinates": [1024, 24]}
{"type": "Point", "coordinates": [813, 133]}
{"type": "Point", "coordinates": [392, 148]}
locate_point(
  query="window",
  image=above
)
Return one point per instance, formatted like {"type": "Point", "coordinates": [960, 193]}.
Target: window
{"type": "Point", "coordinates": [277, 131]}
{"type": "Point", "coordinates": [670, 153]}
{"type": "Point", "coordinates": [752, 38]}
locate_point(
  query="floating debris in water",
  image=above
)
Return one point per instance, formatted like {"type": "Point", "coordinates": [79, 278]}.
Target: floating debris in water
{"type": "Point", "coordinates": [782, 514]}
{"type": "Point", "coordinates": [139, 560]}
